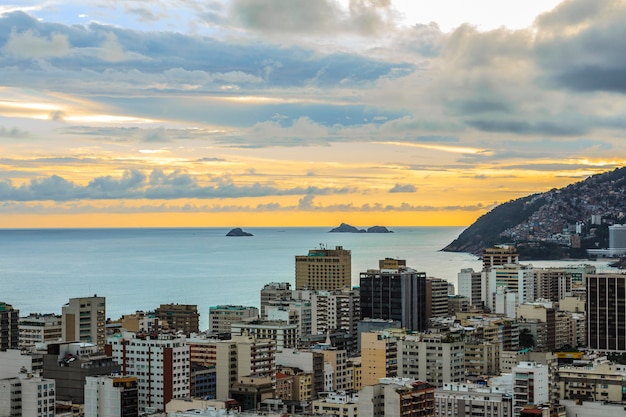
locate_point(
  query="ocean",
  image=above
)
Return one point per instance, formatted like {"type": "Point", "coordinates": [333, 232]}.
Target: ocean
{"type": "Point", "coordinates": [139, 269]}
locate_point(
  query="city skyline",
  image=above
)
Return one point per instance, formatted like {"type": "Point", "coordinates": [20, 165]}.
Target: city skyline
{"type": "Point", "coordinates": [297, 113]}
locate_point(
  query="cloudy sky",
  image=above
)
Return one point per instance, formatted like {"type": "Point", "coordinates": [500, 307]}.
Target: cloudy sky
{"type": "Point", "coordinates": [300, 112]}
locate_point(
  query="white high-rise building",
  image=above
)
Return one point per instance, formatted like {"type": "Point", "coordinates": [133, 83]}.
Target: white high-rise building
{"type": "Point", "coordinates": [531, 385]}
{"type": "Point", "coordinates": [110, 396]}
{"type": "Point", "coordinates": [160, 364]}
{"type": "Point", "coordinates": [27, 395]}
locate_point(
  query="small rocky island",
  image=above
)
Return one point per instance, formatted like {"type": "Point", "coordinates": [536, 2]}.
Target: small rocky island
{"type": "Point", "coordinates": [238, 232]}
{"type": "Point", "coordinates": [346, 228]}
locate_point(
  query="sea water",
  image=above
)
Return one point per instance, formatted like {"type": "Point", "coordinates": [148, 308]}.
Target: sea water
{"type": "Point", "coordinates": [139, 269]}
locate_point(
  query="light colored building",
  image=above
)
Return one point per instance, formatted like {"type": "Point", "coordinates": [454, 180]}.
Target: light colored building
{"type": "Point", "coordinates": [222, 354]}
{"type": "Point", "coordinates": [337, 404]}
{"type": "Point", "coordinates": [515, 278]}
{"type": "Point", "coordinates": [465, 399]}
{"type": "Point", "coordinates": [404, 397]}
{"type": "Point", "coordinates": [617, 237]}
{"type": "Point", "coordinates": [83, 320]}
{"type": "Point", "coordinates": [379, 356]}
{"type": "Point", "coordinates": [284, 334]}
{"type": "Point", "coordinates": [292, 311]}
{"type": "Point", "coordinates": [437, 294]}
{"type": "Point", "coordinates": [222, 316]}
{"type": "Point", "coordinates": [324, 269]}
{"type": "Point", "coordinates": [337, 359]}
{"type": "Point", "coordinates": [531, 385]}
{"type": "Point", "coordinates": [110, 396]}
{"type": "Point", "coordinates": [39, 328]}
{"type": "Point", "coordinates": [482, 358]}
{"type": "Point", "coordinates": [141, 322]}
{"type": "Point", "coordinates": [12, 362]}
{"type": "Point", "coordinates": [554, 284]}
{"type": "Point", "coordinates": [434, 358]}
{"type": "Point", "coordinates": [27, 395]}
{"type": "Point", "coordinates": [274, 291]}
{"type": "Point", "coordinates": [470, 285]}
{"type": "Point", "coordinates": [161, 365]}
{"type": "Point", "coordinates": [598, 382]}
{"type": "Point", "coordinates": [311, 363]}
{"type": "Point", "coordinates": [499, 255]}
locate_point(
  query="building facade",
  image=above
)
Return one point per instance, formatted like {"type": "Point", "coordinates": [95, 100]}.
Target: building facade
{"type": "Point", "coordinates": [395, 294]}
{"type": "Point", "coordinates": [160, 364]}
{"type": "Point", "coordinates": [324, 269]}
{"type": "Point", "coordinates": [606, 312]}
{"type": "Point", "coordinates": [83, 320]}
{"type": "Point", "coordinates": [111, 396]}
{"type": "Point", "coordinates": [9, 327]}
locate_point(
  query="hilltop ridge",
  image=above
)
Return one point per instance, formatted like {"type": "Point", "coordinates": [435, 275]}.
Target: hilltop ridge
{"type": "Point", "coordinates": [542, 225]}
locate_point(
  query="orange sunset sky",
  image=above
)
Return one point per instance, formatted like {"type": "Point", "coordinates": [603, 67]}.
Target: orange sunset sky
{"type": "Point", "coordinates": [299, 113]}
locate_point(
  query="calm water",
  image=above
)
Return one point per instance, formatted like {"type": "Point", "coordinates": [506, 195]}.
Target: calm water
{"type": "Point", "coordinates": [138, 269]}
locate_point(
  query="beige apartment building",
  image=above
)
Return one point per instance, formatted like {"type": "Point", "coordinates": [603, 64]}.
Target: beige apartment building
{"type": "Point", "coordinates": [324, 269]}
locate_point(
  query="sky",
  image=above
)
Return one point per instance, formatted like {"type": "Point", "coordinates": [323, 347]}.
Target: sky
{"type": "Point", "coordinates": [185, 113]}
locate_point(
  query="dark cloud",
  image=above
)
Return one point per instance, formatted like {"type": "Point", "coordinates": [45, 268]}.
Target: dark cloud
{"type": "Point", "coordinates": [320, 17]}
{"type": "Point", "coordinates": [580, 44]}
{"type": "Point", "coordinates": [403, 188]}
{"type": "Point", "coordinates": [134, 184]}
{"type": "Point", "coordinates": [13, 133]}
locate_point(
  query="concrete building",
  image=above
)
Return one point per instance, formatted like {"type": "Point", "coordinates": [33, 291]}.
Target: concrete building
{"type": "Point", "coordinates": [27, 395]}
{"type": "Point", "coordinates": [9, 327]}
{"type": "Point", "coordinates": [70, 363]}
{"type": "Point", "coordinates": [221, 316]}
{"type": "Point", "coordinates": [598, 382]}
{"type": "Point", "coordinates": [606, 312]}
{"type": "Point", "coordinates": [404, 397]}
{"type": "Point", "coordinates": [544, 312]}
{"type": "Point", "coordinates": [285, 335]}
{"type": "Point", "coordinates": [14, 361]}
{"type": "Point", "coordinates": [39, 328]}
{"type": "Point", "coordinates": [292, 311]}
{"type": "Point", "coordinates": [499, 256]}
{"type": "Point", "coordinates": [465, 399]}
{"type": "Point", "coordinates": [310, 362]}
{"type": "Point", "coordinates": [379, 356]}
{"type": "Point", "coordinates": [337, 361]}
{"type": "Point", "coordinates": [274, 291]}
{"type": "Point", "coordinates": [617, 237]}
{"type": "Point", "coordinates": [553, 284]}
{"type": "Point", "coordinates": [337, 404]}
{"type": "Point", "coordinates": [457, 304]}
{"type": "Point", "coordinates": [434, 358]}
{"type": "Point", "coordinates": [531, 385]}
{"type": "Point", "coordinates": [250, 391]}
{"type": "Point", "coordinates": [515, 278]}
{"type": "Point", "coordinates": [141, 322]}
{"type": "Point", "coordinates": [470, 284]}
{"type": "Point", "coordinates": [324, 269]}
{"type": "Point", "coordinates": [394, 293]}
{"type": "Point", "coordinates": [160, 363]}
{"type": "Point", "coordinates": [482, 358]}
{"type": "Point", "coordinates": [83, 320]}
{"type": "Point", "coordinates": [179, 317]}
{"type": "Point", "coordinates": [221, 354]}
{"type": "Point", "coordinates": [111, 396]}
{"type": "Point", "coordinates": [437, 293]}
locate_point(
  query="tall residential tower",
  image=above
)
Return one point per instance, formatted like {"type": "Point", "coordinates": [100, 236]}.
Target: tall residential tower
{"type": "Point", "coordinates": [324, 269]}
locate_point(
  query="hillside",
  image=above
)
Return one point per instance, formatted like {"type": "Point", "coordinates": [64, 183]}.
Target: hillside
{"type": "Point", "coordinates": [542, 224]}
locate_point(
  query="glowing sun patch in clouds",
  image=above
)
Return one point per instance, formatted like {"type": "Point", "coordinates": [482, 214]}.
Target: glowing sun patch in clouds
{"type": "Point", "coordinates": [442, 148]}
